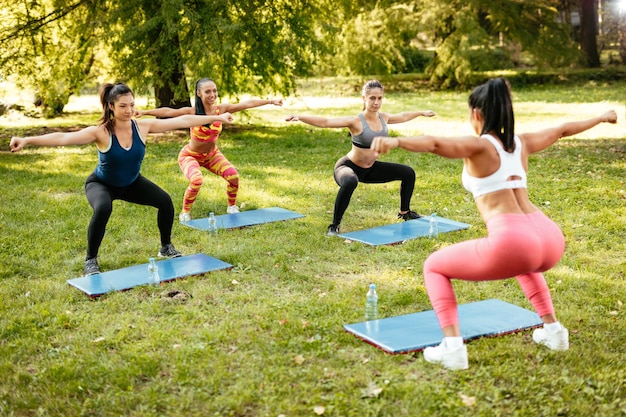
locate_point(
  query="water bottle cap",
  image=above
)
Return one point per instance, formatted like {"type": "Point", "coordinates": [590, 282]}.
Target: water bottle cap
{"type": "Point", "coordinates": [151, 259]}
{"type": "Point", "coordinates": [373, 286]}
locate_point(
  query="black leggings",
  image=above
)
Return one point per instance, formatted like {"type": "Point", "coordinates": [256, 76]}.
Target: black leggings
{"type": "Point", "coordinates": [348, 174]}
{"type": "Point", "coordinates": [141, 191]}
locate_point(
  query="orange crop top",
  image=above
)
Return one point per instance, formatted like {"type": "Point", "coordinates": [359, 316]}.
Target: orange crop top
{"type": "Point", "coordinates": [207, 133]}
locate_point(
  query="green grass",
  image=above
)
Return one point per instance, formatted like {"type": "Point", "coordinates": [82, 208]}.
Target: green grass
{"type": "Point", "coordinates": [266, 338]}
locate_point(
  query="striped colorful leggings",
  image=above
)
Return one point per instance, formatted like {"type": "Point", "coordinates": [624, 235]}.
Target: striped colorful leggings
{"type": "Point", "coordinates": [517, 245]}
{"type": "Point", "coordinates": [190, 163]}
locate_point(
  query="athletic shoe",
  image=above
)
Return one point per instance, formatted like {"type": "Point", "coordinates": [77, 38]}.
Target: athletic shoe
{"type": "Point", "coordinates": [555, 341]}
{"type": "Point", "coordinates": [409, 215]}
{"type": "Point", "coordinates": [232, 209]}
{"type": "Point", "coordinates": [168, 251]}
{"type": "Point", "coordinates": [453, 359]}
{"type": "Point", "coordinates": [91, 266]}
{"type": "Point", "coordinates": [333, 230]}
{"type": "Point", "coordinates": [184, 217]}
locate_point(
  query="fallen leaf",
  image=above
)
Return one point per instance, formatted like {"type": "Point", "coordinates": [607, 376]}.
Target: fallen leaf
{"type": "Point", "coordinates": [373, 391]}
{"type": "Point", "coordinates": [235, 282]}
{"type": "Point", "coordinates": [98, 339]}
{"type": "Point", "coordinates": [299, 359]}
{"type": "Point", "coordinates": [468, 401]}
{"type": "Point", "coordinates": [319, 410]}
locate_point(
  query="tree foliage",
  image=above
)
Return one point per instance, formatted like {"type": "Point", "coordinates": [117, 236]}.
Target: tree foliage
{"type": "Point", "coordinates": [469, 33]}
{"type": "Point", "coordinates": [259, 46]}
{"type": "Point", "coordinates": [375, 41]}
{"type": "Point", "coordinates": [49, 46]}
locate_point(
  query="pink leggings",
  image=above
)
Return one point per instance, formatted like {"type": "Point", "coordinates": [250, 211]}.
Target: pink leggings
{"type": "Point", "coordinates": [190, 163]}
{"type": "Point", "coordinates": [517, 245]}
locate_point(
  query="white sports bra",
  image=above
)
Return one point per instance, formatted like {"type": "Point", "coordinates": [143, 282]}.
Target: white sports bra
{"type": "Point", "coordinates": [510, 166]}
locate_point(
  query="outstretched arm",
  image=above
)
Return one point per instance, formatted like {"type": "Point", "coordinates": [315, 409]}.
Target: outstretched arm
{"type": "Point", "coordinates": [81, 137]}
{"type": "Point", "coordinates": [249, 104]}
{"type": "Point", "coordinates": [180, 122]}
{"type": "Point", "coordinates": [318, 121]}
{"type": "Point", "coordinates": [165, 112]}
{"type": "Point", "coordinates": [409, 115]}
{"type": "Point", "coordinates": [459, 147]}
{"type": "Point", "coordinates": [538, 141]}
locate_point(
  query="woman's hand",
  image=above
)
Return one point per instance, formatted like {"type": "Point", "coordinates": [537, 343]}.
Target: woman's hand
{"type": "Point", "coordinates": [277, 102]}
{"type": "Point", "coordinates": [428, 113]}
{"type": "Point", "coordinates": [292, 118]}
{"type": "Point", "coordinates": [383, 144]}
{"type": "Point", "coordinates": [226, 117]}
{"type": "Point", "coordinates": [17, 144]}
{"type": "Point", "coordinates": [609, 117]}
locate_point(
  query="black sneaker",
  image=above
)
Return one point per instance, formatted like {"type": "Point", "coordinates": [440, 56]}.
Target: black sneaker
{"type": "Point", "coordinates": [169, 251]}
{"type": "Point", "coordinates": [409, 215]}
{"type": "Point", "coordinates": [91, 266]}
{"type": "Point", "coordinates": [333, 230]}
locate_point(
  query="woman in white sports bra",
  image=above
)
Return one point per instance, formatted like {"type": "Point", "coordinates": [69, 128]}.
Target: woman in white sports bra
{"type": "Point", "coordinates": [521, 241]}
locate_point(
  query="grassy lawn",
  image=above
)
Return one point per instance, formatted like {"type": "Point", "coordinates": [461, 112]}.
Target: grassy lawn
{"type": "Point", "coordinates": [266, 338]}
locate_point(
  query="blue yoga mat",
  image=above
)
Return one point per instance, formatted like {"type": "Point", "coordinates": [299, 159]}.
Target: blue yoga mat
{"type": "Point", "coordinates": [132, 276]}
{"type": "Point", "coordinates": [399, 232]}
{"type": "Point", "coordinates": [414, 332]}
{"type": "Point", "coordinates": [245, 218]}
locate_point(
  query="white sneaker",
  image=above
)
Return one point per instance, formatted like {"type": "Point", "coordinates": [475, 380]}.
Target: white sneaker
{"type": "Point", "coordinates": [453, 359]}
{"type": "Point", "coordinates": [555, 341]}
{"type": "Point", "coordinates": [232, 209]}
{"type": "Point", "coordinates": [184, 217]}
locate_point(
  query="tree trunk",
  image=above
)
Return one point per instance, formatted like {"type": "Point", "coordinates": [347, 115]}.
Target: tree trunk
{"type": "Point", "coordinates": [588, 10]}
{"type": "Point", "coordinates": [171, 78]}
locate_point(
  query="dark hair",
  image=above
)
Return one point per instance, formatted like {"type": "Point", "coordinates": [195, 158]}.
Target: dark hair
{"type": "Point", "coordinates": [198, 103]}
{"type": "Point", "coordinates": [369, 85]}
{"type": "Point", "coordinates": [109, 93]}
{"type": "Point", "coordinates": [493, 99]}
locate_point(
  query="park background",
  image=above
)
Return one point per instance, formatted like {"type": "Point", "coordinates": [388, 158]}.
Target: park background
{"type": "Point", "coordinates": [266, 338]}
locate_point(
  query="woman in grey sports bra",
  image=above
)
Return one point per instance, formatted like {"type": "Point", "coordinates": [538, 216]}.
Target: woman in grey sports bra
{"type": "Point", "coordinates": [361, 164]}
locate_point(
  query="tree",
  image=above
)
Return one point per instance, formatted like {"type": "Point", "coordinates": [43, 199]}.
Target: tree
{"type": "Point", "coordinates": [588, 10]}
{"type": "Point", "coordinates": [467, 33]}
{"type": "Point", "coordinates": [259, 46]}
{"type": "Point", "coordinates": [256, 46]}
{"type": "Point", "coordinates": [47, 51]}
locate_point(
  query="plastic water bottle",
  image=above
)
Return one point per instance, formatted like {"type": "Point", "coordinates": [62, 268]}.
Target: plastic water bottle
{"type": "Point", "coordinates": [212, 224]}
{"type": "Point", "coordinates": [153, 273]}
{"type": "Point", "coordinates": [433, 230]}
{"type": "Point", "coordinates": [371, 304]}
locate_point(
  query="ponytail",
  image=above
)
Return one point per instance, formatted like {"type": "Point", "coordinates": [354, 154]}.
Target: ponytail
{"type": "Point", "coordinates": [493, 99]}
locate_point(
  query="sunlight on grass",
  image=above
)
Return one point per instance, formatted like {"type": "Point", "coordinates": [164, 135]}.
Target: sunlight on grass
{"type": "Point", "coordinates": [266, 337]}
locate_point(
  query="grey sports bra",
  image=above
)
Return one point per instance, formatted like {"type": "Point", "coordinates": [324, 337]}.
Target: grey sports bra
{"type": "Point", "coordinates": [365, 138]}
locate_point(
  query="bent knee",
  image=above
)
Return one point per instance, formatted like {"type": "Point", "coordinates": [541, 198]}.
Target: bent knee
{"type": "Point", "coordinates": [195, 180]}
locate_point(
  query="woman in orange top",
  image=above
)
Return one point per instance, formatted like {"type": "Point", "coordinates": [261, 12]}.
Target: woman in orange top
{"type": "Point", "coordinates": [202, 149]}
